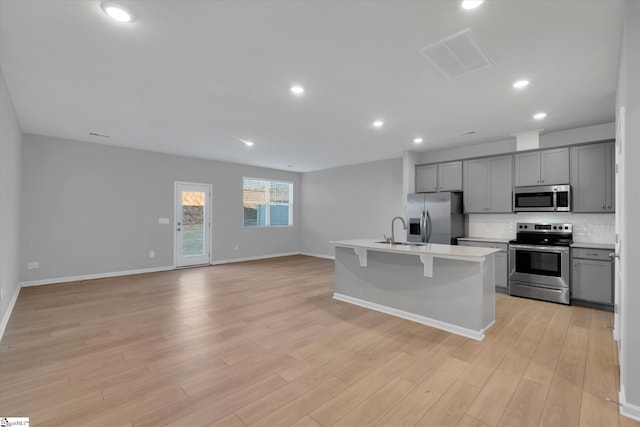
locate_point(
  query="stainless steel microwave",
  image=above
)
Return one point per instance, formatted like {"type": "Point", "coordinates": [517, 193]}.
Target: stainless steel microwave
{"type": "Point", "coordinates": [543, 198]}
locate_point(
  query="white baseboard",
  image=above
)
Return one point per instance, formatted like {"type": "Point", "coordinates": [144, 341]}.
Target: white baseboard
{"type": "Point", "coordinates": [7, 314]}
{"type": "Point", "coordinates": [252, 258]}
{"type": "Point", "coordinates": [94, 276]}
{"type": "Point", "coordinates": [454, 329]}
{"type": "Point", "coordinates": [627, 409]}
{"type": "Point", "coordinates": [318, 255]}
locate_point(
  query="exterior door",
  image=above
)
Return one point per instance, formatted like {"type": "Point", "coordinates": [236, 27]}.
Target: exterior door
{"type": "Point", "coordinates": [192, 224]}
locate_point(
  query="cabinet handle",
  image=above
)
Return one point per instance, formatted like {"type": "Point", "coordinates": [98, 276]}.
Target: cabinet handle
{"type": "Point", "coordinates": [588, 254]}
{"type": "Point", "coordinates": [608, 206]}
{"type": "Point", "coordinates": [542, 180]}
{"type": "Point", "coordinates": [602, 206]}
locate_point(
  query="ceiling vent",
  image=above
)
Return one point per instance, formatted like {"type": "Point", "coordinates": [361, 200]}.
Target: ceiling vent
{"type": "Point", "coordinates": [457, 55]}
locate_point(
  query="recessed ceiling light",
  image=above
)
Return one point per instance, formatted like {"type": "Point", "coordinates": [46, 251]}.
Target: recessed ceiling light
{"type": "Point", "coordinates": [298, 90]}
{"type": "Point", "coordinates": [418, 140]}
{"type": "Point", "coordinates": [539, 116]}
{"type": "Point", "coordinates": [117, 12]}
{"type": "Point", "coordinates": [520, 84]}
{"type": "Point", "coordinates": [246, 142]}
{"type": "Point", "coordinates": [471, 4]}
{"type": "Point", "coordinates": [378, 123]}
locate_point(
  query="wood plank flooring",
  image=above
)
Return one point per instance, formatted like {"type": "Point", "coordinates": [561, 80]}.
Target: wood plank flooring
{"type": "Point", "coordinates": [264, 344]}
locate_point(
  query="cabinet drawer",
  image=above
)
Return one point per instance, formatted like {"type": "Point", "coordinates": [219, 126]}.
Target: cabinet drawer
{"type": "Point", "coordinates": [599, 254]}
{"type": "Point", "coordinates": [502, 246]}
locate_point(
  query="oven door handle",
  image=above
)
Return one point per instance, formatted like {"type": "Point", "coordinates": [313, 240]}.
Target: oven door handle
{"type": "Point", "coordinates": [536, 248]}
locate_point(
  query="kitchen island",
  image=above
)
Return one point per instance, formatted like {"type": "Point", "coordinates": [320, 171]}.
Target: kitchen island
{"type": "Point", "coordinates": [443, 286]}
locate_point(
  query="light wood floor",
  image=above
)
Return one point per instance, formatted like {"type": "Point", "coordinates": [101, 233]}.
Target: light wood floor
{"type": "Point", "coordinates": [264, 344]}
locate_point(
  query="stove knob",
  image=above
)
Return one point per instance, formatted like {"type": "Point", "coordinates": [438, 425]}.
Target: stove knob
{"type": "Point", "coordinates": [526, 226]}
{"type": "Point", "coordinates": [566, 227]}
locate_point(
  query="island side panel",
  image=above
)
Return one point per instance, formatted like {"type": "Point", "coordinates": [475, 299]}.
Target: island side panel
{"type": "Point", "coordinates": [458, 292]}
{"type": "Point", "coordinates": [489, 292]}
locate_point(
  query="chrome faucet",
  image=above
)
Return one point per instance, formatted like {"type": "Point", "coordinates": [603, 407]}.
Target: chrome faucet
{"type": "Point", "coordinates": [404, 225]}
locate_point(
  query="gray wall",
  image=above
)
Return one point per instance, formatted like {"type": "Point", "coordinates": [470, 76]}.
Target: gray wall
{"type": "Point", "coordinates": [352, 202]}
{"type": "Point", "coordinates": [547, 140]}
{"type": "Point", "coordinates": [93, 209]}
{"type": "Point", "coordinates": [10, 137]}
{"type": "Point", "coordinates": [628, 95]}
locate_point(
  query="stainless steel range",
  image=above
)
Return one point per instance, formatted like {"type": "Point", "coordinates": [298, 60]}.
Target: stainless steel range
{"type": "Point", "coordinates": [539, 262]}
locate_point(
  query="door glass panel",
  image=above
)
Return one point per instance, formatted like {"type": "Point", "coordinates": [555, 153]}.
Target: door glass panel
{"type": "Point", "coordinates": [193, 229]}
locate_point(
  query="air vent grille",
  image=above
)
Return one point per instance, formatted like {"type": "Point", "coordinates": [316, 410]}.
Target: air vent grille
{"type": "Point", "coordinates": [457, 55]}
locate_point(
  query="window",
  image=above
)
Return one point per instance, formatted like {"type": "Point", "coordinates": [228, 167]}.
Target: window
{"type": "Point", "coordinates": [267, 203]}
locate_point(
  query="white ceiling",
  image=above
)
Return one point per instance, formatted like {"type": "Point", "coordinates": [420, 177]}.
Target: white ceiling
{"type": "Point", "coordinates": [191, 77]}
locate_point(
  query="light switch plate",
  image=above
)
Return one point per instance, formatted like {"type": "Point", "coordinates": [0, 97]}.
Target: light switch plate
{"type": "Point", "coordinates": [163, 220]}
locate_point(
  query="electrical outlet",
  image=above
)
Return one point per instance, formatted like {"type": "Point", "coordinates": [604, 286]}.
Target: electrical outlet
{"type": "Point", "coordinates": [236, 247]}
{"type": "Point", "coordinates": [2, 291]}
{"type": "Point", "coordinates": [152, 254]}
{"type": "Point", "coordinates": [33, 265]}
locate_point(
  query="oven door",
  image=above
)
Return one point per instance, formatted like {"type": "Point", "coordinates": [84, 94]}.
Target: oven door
{"type": "Point", "coordinates": [547, 265]}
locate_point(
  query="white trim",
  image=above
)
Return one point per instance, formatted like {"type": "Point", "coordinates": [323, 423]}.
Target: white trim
{"type": "Point", "coordinates": [94, 276]}
{"type": "Point", "coordinates": [7, 314]}
{"type": "Point", "coordinates": [333, 257]}
{"type": "Point", "coordinates": [252, 258]}
{"type": "Point", "coordinates": [454, 329]}
{"type": "Point", "coordinates": [627, 409]}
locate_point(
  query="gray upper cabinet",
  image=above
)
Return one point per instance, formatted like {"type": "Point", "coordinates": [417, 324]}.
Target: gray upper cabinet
{"type": "Point", "coordinates": [593, 177]}
{"type": "Point", "coordinates": [488, 184]}
{"type": "Point", "coordinates": [440, 177]}
{"type": "Point", "coordinates": [426, 179]}
{"type": "Point", "coordinates": [546, 167]}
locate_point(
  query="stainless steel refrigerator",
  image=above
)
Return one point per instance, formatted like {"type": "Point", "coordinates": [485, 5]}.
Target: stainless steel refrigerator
{"type": "Point", "coordinates": [435, 218]}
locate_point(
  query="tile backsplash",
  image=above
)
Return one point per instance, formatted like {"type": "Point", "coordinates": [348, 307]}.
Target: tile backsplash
{"type": "Point", "coordinates": [588, 228]}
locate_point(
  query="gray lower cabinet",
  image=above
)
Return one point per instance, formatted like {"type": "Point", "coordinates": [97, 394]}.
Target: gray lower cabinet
{"type": "Point", "coordinates": [502, 260]}
{"type": "Point", "coordinates": [488, 184]}
{"type": "Point", "coordinates": [593, 177]}
{"type": "Point", "coordinates": [592, 275]}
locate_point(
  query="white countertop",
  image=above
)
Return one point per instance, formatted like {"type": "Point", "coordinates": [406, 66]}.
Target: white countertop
{"type": "Point", "coordinates": [472, 253]}
{"type": "Point", "coordinates": [484, 239]}
{"type": "Point", "coordinates": [587, 245]}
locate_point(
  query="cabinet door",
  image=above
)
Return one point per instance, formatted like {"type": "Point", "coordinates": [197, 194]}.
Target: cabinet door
{"type": "Point", "coordinates": [502, 270]}
{"type": "Point", "coordinates": [554, 166]}
{"type": "Point", "coordinates": [610, 177]}
{"type": "Point", "coordinates": [588, 178]}
{"type": "Point", "coordinates": [427, 179]}
{"type": "Point", "coordinates": [591, 281]}
{"type": "Point", "coordinates": [450, 176]}
{"type": "Point", "coordinates": [476, 185]}
{"type": "Point", "coordinates": [528, 169]}
{"type": "Point", "coordinates": [500, 184]}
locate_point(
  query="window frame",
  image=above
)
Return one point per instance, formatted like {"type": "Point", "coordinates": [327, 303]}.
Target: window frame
{"type": "Point", "coordinates": [268, 202]}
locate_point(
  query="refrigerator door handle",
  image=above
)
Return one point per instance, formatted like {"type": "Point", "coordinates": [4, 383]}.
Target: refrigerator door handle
{"type": "Point", "coordinates": [423, 227]}
{"type": "Point", "coordinates": [428, 223]}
